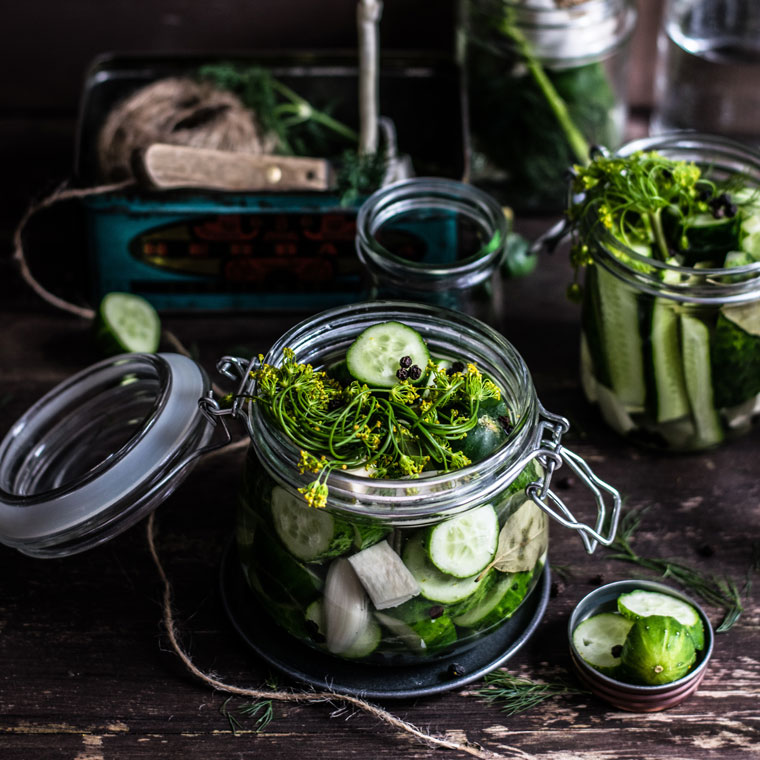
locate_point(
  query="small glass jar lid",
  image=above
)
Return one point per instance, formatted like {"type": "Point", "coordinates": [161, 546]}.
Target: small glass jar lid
{"type": "Point", "coordinates": [99, 451]}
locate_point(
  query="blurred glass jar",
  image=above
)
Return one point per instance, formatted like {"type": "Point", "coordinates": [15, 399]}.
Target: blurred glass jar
{"type": "Point", "coordinates": [671, 354]}
{"type": "Point", "coordinates": [708, 68]}
{"type": "Point", "coordinates": [545, 78]}
{"type": "Point", "coordinates": [435, 241]}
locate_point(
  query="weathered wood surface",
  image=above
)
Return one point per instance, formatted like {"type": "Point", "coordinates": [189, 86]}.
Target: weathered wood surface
{"type": "Point", "coordinates": [86, 672]}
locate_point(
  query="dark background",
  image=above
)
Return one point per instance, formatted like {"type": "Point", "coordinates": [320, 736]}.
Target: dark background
{"type": "Point", "coordinates": [49, 44]}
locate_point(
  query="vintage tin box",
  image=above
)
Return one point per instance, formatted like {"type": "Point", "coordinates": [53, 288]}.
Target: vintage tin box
{"type": "Point", "coordinates": [193, 249]}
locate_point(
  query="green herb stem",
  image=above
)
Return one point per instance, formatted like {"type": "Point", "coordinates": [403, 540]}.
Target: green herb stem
{"type": "Point", "coordinates": [515, 695]}
{"type": "Point", "coordinates": [577, 142]}
{"type": "Point", "coordinates": [717, 591]}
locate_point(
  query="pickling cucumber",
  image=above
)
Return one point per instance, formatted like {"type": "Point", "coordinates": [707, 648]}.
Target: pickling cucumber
{"type": "Point", "coordinates": [375, 357]}
{"type": "Point", "coordinates": [599, 640]}
{"type": "Point", "coordinates": [463, 546]}
{"type": "Point", "coordinates": [657, 650]}
{"type": "Point", "coordinates": [435, 585]}
{"type": "Point", "coordinates": [641, 604]}
{"type": "Point", "coordinates": [307, 533]}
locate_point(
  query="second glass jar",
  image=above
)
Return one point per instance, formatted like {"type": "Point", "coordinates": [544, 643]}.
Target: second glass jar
{"type": "Point", "coordinates": [544, 80]}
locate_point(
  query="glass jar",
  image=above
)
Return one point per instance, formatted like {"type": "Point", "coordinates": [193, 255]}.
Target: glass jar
{"type": "Point", "coordinates": [436, 241]}
{"type": "Point", "coordinates": [545, 79]}
{"type": "Point", "coordinates": [671, 354]}
{"type": "Point", "coordinates": [707, 69]}
{"type": "Point", "coordinates": [358, 579]}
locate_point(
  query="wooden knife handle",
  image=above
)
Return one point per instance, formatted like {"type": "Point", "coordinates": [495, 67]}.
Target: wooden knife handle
{"type": "Point", "coordinates": [164, 166]}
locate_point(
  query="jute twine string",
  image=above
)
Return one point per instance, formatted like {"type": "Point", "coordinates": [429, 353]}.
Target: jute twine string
{"type": "Point", "coordinates": [297, 696]}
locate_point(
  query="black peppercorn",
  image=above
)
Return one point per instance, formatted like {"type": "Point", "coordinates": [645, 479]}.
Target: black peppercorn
{"type": "Point", "coordinates": [405, 361]}
{"type": "Point", "coordinates": [435, 611]}
{"type": "Point", "coordinates": [415, 373]}
{"type": "Point", "coordinates": [402, 374]}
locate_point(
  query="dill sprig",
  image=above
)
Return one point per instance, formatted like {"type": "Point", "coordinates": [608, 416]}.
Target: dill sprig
{"type": "Point", "coordinates": [297, 125]}
{"type": "Point", "coordinates": [393, 432]}
{"type": "Point", "coordinates": [514, 695]}
{"type": "Point", "coordinates": [261, 710]}
{"type": "Point", "coordinates": [717, 591]}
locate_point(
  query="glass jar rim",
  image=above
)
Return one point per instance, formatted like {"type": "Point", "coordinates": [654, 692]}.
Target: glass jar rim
{"type": "Point", "coordinates": [327, 335]}
{"type": "Point", "coordinates": [710, 285]}
{"type": "Point", "coordinates": [433, 193]}
{"type": "Point", "coordinates": [598, 28]}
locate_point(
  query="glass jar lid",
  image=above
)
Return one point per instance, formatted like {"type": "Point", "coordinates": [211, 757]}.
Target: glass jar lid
{"type": "Point", "coordinates": [100, 451]}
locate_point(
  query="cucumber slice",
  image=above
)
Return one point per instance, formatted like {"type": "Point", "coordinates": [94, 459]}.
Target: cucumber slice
{"type": "Point", "coordinates": [464, 545]}
{"type": "Point", "coordinates": [599, 640]}
{"type": "Point", "coordinates": [307, 533]}
{"type": "Point", "coordinates": [735, 355]}
{"type": "Point", "coordinates": [588, 380]}
{"type": "Point", "coordinates": [435, 585]}
{"type": "Point", "coordinates": [641, 604]}
{"type": "Point", "coordinates": [504, 594]}
{"type": "Point", "coordinates": [127, 322]}
{"type": "Point", "coordinates": [373, 358]}
{"type": "Point", "coordinates": [695, 340]}
{"type": "Point", "coordinates": [279, 575]}
{"type": "Point", "coordinates": [667, 366]}
{"type": "Point", "coordinates": [657, 650]}
{"type": "Point", "coordinates": [621, 340]}
{"type": "Point", "coordinates": [423, 636]}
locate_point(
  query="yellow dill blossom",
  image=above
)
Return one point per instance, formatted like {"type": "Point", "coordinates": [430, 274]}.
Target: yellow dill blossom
{"type": "Point", "coordinates": [315, 494]}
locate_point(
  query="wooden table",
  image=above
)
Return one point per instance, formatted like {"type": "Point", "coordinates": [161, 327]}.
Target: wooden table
{"type": "Point", "coordinates": [86, 671]}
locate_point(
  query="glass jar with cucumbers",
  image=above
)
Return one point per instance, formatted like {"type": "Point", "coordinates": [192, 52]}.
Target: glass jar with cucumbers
{"type": "Point", "coordinates": [395, 496]}
{"type": "Point", "coordinates": [667, 234]}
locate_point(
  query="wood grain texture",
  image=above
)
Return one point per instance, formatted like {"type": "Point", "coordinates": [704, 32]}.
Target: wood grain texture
{"type": "Point", "coordinates": [85, 670]}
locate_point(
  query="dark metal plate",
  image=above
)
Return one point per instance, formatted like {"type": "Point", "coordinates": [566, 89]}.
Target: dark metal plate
{"type": "Point", "coordinates": [310, 666]}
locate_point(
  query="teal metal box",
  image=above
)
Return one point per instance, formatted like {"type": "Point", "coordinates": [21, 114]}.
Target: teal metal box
{"type": "Point", "coordinates": [225, 252]}
{"type": "Point", "coordinates": [255, 251]}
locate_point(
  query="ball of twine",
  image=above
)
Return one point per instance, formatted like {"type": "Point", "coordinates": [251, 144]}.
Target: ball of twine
{"type": "Point", "coordinates": [178, 111]}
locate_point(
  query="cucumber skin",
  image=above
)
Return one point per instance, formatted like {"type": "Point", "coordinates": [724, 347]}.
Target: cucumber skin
{"type": "Point", "coordinates": [735, 360]}
{"type": "Point", "coordinates": [511, 589]}
{"type": "Point", "coordinates": [620, 340]}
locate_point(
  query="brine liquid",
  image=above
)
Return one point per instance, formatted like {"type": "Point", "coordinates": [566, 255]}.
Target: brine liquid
{"type": "Point", "coordinates": [708, 75]}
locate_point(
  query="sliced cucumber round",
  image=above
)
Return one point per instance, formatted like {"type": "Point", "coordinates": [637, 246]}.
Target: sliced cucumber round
{"type": "Point", "coordinates": [500, 599]}
{"type": "Point", "coordinates": [435, 585]}
{"type": "Point", "coordinates": [374, 357]}
{"type": "Point", "coordinates": [126, 322]}
{"type": "Point", "coordinates": [423, 636]}
{"type": "Point", "coordinates": [641, 604]}
{"type": "Point", "coordinates": [308, 533]}
{"type": "Point", "coordinates": [464, 545]}
{"type": "Point", "coordinates": [599, 640]}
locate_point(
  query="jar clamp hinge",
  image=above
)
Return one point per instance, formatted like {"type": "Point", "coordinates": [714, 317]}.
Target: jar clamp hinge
{"type": "Point", "coordinates": [215, 412]}
{"type": "Point", "coordinates": [551, 455]}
